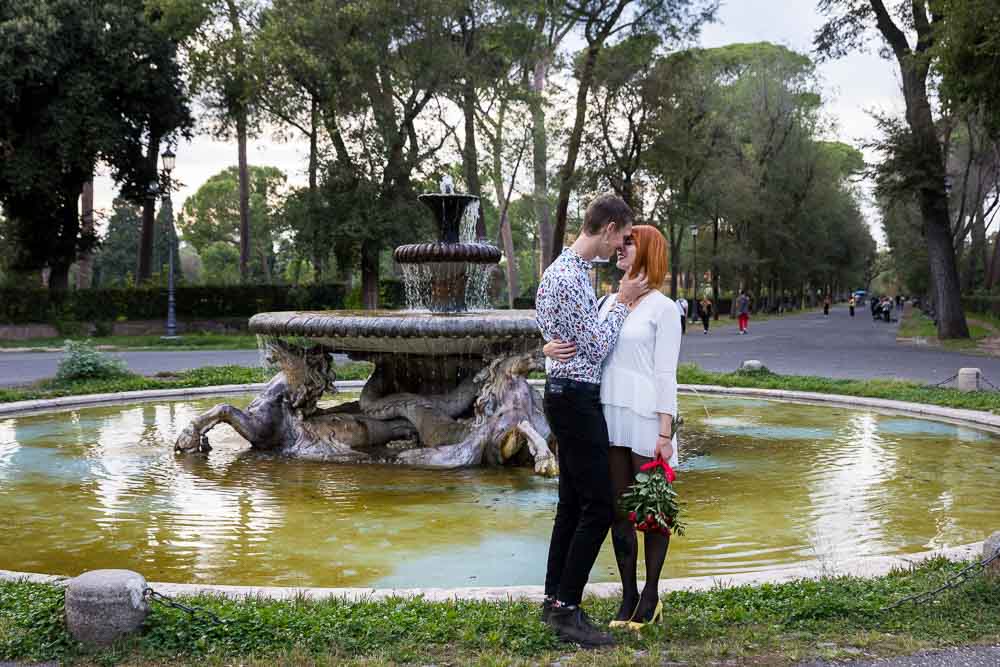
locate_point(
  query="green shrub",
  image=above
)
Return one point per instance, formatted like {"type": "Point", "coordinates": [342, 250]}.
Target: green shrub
{"type": "Point", "coordinates": [84, 362]}
{"type": "Point", "coordinates": [117, 304]}
{"type": "Point", "coordinates": [103, 329]}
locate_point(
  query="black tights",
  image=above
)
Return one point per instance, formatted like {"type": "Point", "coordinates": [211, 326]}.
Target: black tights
{"type": "Point", "coordinates": [624, 465]}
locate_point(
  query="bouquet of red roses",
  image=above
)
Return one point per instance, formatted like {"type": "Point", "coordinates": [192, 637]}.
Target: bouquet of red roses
{"type": "Point", "coordinates": [651, 502]}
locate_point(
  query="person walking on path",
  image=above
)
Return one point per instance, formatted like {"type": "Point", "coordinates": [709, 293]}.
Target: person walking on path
{"type": "Point", "coordinates": [851, 303]}
{"type": "Point", "coordinates": [743, 304]}
{"type": "Point", "coordinates": [705, 309]}
{"type": "Point", "coordinates": [682, 307]}
{"type": "Point", "coordinates": [566, 309]}
{"type": "Point", "coordinates": [826, 306]}
{"type": "Point", "coordinates": [639, 399]}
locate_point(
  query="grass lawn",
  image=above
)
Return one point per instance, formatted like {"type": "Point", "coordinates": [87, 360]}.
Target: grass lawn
{"type": "Point", "coordinates": [197, 341]}
{"type": "Point", "coordinates": [206, 376]}
{"type": "Point", "coordinates": [772, 624]}
{"type": "Point", "coordinates": [917, 325]}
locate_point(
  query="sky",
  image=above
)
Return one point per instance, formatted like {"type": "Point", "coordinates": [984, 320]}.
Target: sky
{"type": "Point", "coordinates": [850, 86]}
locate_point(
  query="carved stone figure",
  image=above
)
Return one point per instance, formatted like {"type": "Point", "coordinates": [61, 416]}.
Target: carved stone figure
{"type": "Point", "coordinates": [491, 417]}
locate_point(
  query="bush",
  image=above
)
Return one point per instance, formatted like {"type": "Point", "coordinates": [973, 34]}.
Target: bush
{"type": "Point", "coordinates": [84, 362]}
{"type": "Point", "coordinates": [18, 306]}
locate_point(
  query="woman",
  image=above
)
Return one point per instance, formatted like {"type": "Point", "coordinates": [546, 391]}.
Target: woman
{"type": "Point", "coordinates": [706, 312]}
{"type": "Point", "coordinates": [639, 397]}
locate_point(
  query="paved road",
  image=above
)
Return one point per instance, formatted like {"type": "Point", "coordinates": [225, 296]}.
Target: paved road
{"type": "Point", "coordinates": [24, 367]}
{"type": "Point", "coordinates": [834, 346]}
{"type": "Point", "coordinates": [807, 344]}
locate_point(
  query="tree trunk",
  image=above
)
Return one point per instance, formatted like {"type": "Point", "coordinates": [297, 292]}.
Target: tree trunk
{"type": "Point", "coordinates": [540, 164]}
{"type": "Point", "coordinates": [319, 252]}
{"type": "Point", "coordinates": [69, 229]}
{"type": "Point", "coordinates": [568, 170]}
{"type": "Point", "coordinates": [975, 273]}
{"type": "Point", "coordinates": [241, 137]}
{"type": "Point", "coordinates": [470, 154]}
{"type": "Point", "coordinates": [715, 263]}
{"type": "Point", "coordinates": [85, 265]}
{"type": "Point", "coordinates": [369, 274]}
{"type": "Point", "coordinates": [144, 270]}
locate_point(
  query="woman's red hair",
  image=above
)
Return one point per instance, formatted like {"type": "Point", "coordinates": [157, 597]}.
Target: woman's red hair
{"type": "Point", "coordinates": [651, 254]}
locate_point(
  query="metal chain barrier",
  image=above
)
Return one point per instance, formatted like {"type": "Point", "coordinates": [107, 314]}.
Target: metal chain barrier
{"type": "Point", "coordinates": [944, 382]}
{"type": "Point", "coordinates": [986, 380]}
{"type": "Point", "coordinates": [954, 581]}
{"type": "Point", "coordinates": [196, 613]}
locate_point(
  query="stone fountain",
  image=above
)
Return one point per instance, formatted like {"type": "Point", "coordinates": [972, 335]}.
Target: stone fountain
{"type": "Point", "coordinates": [449, 388]}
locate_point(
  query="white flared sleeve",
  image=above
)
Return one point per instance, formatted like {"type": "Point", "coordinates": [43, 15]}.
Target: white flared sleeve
{"type": "Point", "coordinates": [666, 353]}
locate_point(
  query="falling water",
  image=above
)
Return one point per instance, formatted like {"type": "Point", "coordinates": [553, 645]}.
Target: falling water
{"type": "Point", "coordinates": [417, 285]}
{"type": "Point", "coordinates": [467, 231]}
{"type": "Point", "coordinates": [477, 287]}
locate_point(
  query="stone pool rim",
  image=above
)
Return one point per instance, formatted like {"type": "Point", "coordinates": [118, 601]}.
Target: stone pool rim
{"type": "Point", "coordinates": [865, 567]}
{"type": "Point", "coordinates": [975, 418]}
{"type": "Point", "coordinates": [871, 566]}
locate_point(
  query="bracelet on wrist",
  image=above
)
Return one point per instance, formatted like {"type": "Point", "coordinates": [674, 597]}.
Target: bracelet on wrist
{"type": "Point", "coordinates": [663, 435]}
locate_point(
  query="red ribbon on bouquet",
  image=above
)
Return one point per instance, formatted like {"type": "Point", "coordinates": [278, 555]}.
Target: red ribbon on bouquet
{"type": "Point", "coordinates": [668, 472]}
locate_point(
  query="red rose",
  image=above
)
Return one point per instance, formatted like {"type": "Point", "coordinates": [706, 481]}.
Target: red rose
{"type": "Point", "coordinates": [632, 516]}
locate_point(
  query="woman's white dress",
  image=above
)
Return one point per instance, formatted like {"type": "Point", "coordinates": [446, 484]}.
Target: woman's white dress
{"type": "Point", "coordinates": [639, 378]}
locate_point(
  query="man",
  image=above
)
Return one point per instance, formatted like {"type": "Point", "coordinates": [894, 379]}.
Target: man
{"type": "Point", "coordinates": [682, 306]}
{"type": "Point", "coordinates": [743, 303]}
{"type": "Point", "coordinates": [567, 310]}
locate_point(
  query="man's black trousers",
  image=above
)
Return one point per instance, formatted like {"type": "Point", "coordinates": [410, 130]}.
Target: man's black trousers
{"type": "Point", "coordinates": [586, 501]}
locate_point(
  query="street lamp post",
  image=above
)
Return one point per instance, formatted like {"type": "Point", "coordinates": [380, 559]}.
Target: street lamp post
{"type": "Point", "coordinates": [694, 265]}
{"type": "Point", "coordinates": [169, 161]}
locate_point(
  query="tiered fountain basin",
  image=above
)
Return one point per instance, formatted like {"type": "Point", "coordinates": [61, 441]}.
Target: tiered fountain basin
{"type": "Point", "coordinates": [375, 332]}
{"type": "Point", "coordinates": [768, 485]}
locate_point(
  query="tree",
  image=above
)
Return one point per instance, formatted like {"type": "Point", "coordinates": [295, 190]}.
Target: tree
{"type": "Point", "coordinates": [116, 256]}
{"type": "Point", "coordinates": [115, 259]}
{"type": "Point", "coordinates": [849, 26]}
{"type": "Point", "coordinates": [224, 75]}
{"type": "Point", "coordinates": [968, 48]}
{"type": "Point", "coordinates": [84, 81]}
{"type": "Point", "coordinates": [602, 21]}
{"type": "Point", "coordinates": [389, 82]}
{"type": "Point", "coordinates": [213, 214]}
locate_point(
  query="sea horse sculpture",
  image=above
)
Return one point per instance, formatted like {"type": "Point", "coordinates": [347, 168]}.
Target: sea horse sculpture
{"type": "Point", "coordinates": [493, 417]}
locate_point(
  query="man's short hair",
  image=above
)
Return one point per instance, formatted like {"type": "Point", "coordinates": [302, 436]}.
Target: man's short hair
{"type": "Point", "coordinates": [605, 209]}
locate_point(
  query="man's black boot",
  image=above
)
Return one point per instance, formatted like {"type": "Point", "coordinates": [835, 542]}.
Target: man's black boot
{"type": "Point", "coordinates": [572, 625]}
{"type": "Point", "coordinates": [547, 609]}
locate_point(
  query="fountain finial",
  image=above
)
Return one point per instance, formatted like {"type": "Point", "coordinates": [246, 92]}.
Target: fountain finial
{"type": "Point", "coordinates": [447, 185]}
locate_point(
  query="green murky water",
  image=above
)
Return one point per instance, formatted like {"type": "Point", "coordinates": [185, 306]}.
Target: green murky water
{"type": "Point", "coordinates": [766, 484]}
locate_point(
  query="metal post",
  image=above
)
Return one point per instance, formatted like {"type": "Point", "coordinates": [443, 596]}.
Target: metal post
{"type": "Point", "coordinates": [169, 160]}
{"type": "Point", "coordinates": [171, 303]}
{"type": "Point", "coordinates": [694, 268]}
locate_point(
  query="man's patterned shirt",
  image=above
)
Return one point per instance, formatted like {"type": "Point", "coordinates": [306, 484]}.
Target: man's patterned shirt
{"type": "Point", "coordinates": [566, 309]}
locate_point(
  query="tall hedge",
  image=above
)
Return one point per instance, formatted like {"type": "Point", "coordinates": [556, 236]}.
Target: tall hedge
{"type": "Point", "coordinates": [21, 306]}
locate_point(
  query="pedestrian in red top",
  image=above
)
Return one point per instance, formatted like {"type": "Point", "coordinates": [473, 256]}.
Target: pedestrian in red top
{"type": "Point", "coordinates": [743, 303]}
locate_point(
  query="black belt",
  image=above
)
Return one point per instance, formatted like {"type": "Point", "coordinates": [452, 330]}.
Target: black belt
{"type": "Point", "coordinates": [560, 385]}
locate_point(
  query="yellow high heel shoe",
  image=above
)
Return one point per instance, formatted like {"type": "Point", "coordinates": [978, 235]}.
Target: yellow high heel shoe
{"type": "Point", "coordinates": [623, 624]}
{"type": "Point", "coordinates": [656, 618]}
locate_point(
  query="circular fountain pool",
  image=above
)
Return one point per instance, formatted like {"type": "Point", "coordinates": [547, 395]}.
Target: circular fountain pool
{"type": "Point", "coordinates": [767, 484]}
